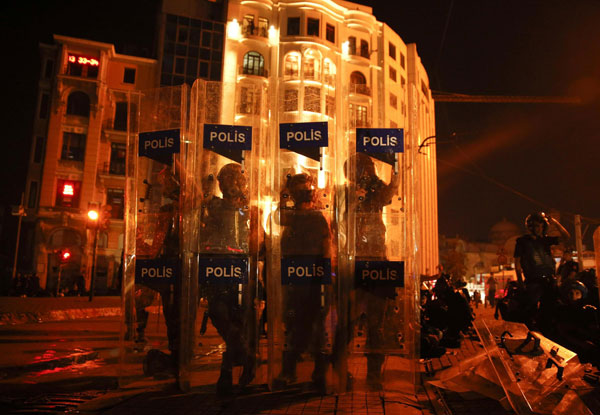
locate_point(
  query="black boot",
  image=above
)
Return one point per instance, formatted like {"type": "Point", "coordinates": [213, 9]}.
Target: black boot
{"type": "Point", "coordinates": [288, 370]}
{"type": "Point", "coordinates": [374, 364]}
{"type": "Point", "coordinates": [319, 375]}
{"type": "Point", "coordinates": [225, 382]}
{"type": "Point", "coordinates": [249, 370]}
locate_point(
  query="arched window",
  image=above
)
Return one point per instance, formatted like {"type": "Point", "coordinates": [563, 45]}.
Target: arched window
{"type": "Point", "coordinates": [357, 78]}
{"type": "Point", "coordinates": [312, 65]}
{"type": "Point", "coordinates": [64, 237]}
{"type": "Point", "coordinates": [329, 71]}
{"type": "Point", "coordinates": [358, 83]}
{"type": "Point", "coordinates": [78, 103]}
{"type": "Point", "coordinates": [254, 64]}
{"type": "Point", "coordinates": [291, 65]}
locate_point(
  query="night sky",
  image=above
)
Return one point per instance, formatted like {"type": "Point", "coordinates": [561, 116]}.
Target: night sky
{"type": "Point", "coordinates": [506, 160]}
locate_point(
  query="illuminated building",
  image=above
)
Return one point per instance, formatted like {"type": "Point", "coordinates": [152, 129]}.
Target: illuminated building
{"type": "Point", "coordinates": [78, 159]}
{"type": "Point", "coordinates": [315, 58]}
{"type": "Point", "coordinates": [334, 59]}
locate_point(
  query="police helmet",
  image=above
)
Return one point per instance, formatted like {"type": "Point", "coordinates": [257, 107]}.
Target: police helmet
{"type": "Point", "coordinates": [579, 286]}
{"type": "Point", "coordinates": [537, 217]}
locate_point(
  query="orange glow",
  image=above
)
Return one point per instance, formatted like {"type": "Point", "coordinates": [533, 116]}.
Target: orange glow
{"type": "Point", "coordinates": [82, 60]}
{"type": "Point", "coordinates": [93, 215]}
{"type": "Point", "coordinates": [66, 255]}
{"type": "Point", "coordinates": [68, 190]}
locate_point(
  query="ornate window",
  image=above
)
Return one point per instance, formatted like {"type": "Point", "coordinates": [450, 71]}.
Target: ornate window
{"type": "Point", "coordinates": [311, 65]}
{"type": "Point", "coordinates": [329, 71]}
{"type": "Point", "coordinates": [78, 103]}
{"type": "Point", "coordinates": [312, 99]}
{"type": "Point", "coordinates": [290, 100]}
{"type": "Point", "coordinates": [291, 65]}
{"type": "Point", "coordinates": [254, 64]}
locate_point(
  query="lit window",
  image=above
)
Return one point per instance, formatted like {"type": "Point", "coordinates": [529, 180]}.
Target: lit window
{"type": "Point", "coordinates": [291, 65]}
{"type": "Point", "coordinates": [358, 116]}
{"type": "Point", "coordinates": [309, 68]}
{"type": "Point", "coordinates": [330, 105]}
{"type": "Point", "coordinates": [68, 193]}
{"type": "Point", "coordinates": [263, 27]}
{"type": "Point", "coordinates": [352, 45]}
{"type": "Point", "coordinates": [85, 66]}
{"type": "Point", "coordinates": [248, 25]}
{"type": "Point", "coordinates": [254, 64]}
{"type": "Point", "coordinates": [312, 27]}
{"type": "Point", "coordinates": [73, 147]}
{"type": "Point", "coordinates": [329, 72]}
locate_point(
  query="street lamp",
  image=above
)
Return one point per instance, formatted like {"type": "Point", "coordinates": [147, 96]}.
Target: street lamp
{"type": "Point", "coordinates": [93, 223]}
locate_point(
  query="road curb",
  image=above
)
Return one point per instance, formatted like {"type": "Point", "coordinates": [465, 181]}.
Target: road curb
{"type": "Point", "coordinates": [8, 318]}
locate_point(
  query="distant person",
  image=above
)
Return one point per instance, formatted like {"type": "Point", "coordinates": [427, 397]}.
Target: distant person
{"type": "Point", "coordinates": [492, 286]}
{"type": "Point", "coordinates": [476, 298]}
{"type": "Point", "coordinates": [535, 268]}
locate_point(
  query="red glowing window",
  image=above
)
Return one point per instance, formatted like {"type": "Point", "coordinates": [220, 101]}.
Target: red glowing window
{"type": "Point", "coordinates": [68, 193]}
{"type": "Point", "coordinates": [68, 190]}
{"type": "Point", "coordinates": [82, 60]}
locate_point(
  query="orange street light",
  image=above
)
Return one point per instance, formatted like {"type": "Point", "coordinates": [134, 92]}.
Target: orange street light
{"type": "Point", "coordinates": [93, 215]}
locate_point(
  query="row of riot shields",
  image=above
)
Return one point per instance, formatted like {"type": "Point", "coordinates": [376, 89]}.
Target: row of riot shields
{"type": "Point", "coordinates": [265, 247]}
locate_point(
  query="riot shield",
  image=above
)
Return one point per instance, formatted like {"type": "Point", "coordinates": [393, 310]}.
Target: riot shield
{"type": "Point", "coordinates": [380, 281]}
{"type": "Point", "coordinates": [537, 375]}
{"type": "Point", "coordinates": [302, 292]}
{"type": "Point", "coordinates": [223, 238]}
{"type": "Point", "coordinates": [152, 273]}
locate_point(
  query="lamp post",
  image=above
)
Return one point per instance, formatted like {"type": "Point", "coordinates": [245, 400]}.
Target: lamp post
{"type": "Point", "coordinates": [93, 223]}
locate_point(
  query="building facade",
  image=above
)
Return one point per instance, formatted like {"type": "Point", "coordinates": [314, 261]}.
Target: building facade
{"type": "Point", "coordinates": [78, 160]}
{"type": "Point", "coordinates": [334, 60]}
{"type": "Point", "coordinates": [317, 58]}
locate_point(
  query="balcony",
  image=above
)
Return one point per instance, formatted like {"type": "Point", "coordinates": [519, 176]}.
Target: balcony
{"type": "Point", "coordinates": [251, 30]}
{"type": "Point", "coordinates": [360, 89]}
{"type": "Point", "coordinates": [114, 169]}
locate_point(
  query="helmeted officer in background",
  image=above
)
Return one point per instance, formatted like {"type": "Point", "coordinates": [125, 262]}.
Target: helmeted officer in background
{"type": "Point", "coordinates": [535, 267]}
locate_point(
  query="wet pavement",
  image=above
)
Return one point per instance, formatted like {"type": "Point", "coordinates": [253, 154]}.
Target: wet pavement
{"type": "Point", "coordinates": [70, 366]}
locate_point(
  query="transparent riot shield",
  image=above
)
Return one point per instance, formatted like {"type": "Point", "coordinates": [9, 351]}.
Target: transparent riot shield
{"type": "Point", "coordinates": [302, 282]}
{"type": "Point", "coordinates": [382, 317]}
{"type": "Point", "coordinates": [224, 238]}
{"type": "Point", "coordinates": [152, 273]}
{"type": "Point", "coordinates": [537, 375]}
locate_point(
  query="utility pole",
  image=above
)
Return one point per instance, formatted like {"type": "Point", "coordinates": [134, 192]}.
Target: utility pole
{"type": "Point", "coordinates": [579, 241]}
